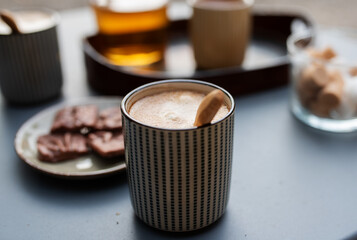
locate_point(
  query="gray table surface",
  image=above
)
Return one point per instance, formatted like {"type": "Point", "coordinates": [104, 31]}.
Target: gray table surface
{"type": "Point", "coordinates": [288, 182]}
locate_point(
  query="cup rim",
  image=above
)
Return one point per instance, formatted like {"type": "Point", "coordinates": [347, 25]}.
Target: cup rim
{"type": "Point", "coordinates": [128, 95]}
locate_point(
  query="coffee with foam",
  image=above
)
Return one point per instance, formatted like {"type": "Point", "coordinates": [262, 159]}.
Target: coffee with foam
{"type": "Point", "coordinates": [172, 109]}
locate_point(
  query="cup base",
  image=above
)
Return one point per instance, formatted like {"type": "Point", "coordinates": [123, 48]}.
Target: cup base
{"type": "Point", "coordinates": [199, 229]}
{"type": "Point", "coordinates": [23, 103]}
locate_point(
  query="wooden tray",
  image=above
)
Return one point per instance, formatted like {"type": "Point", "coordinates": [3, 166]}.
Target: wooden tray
{"type": "Point", "coordinates": [266, 64]}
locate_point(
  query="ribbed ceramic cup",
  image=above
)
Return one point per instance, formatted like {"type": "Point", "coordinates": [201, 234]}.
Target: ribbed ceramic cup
{"type": "Point", "coordinates": [179, 179]}
{"type": "Point", "coordinates": [30, 69]}
{"type": "Point", "coordinates": [220, 32]}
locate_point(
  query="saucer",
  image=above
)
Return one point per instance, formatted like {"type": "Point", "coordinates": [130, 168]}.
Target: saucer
{"type": "Point", "coordinates": [86, 166]}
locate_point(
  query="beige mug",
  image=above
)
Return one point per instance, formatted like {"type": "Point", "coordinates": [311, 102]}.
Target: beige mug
{"type": "Point", "coordinates": [220, 32]}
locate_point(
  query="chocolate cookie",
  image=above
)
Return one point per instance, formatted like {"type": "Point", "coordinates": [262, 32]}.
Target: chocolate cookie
{"type": "Point", "coordinates": [74, 119]}
{"type": "Point", "coordinates": [60, 147]}
{"type": "Point", "coordinates": [107, 144]}
{"type": "Point", "coordinates": [109, 119]}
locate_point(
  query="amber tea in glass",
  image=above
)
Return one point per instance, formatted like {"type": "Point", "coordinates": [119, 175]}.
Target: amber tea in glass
{"type": "Point", "coordinates": [133, 32]}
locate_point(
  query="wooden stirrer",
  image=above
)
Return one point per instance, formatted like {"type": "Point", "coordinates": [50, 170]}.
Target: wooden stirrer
{"type": "Point", "coordinates": [209, 107]}
{"type": "Point", "coordinates": [8, 17]}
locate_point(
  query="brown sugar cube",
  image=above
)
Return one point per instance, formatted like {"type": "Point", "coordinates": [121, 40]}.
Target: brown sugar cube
{"type": "Point", "coordinates": [331, 95]}
{"type": "Point", "coordinates": [306, 95]}
{"type": "Point", "coordinates": [312, 52]}
{"type": "Point", "coordinates": [73, 119]}
{"type": "Point", "coordinates": [109, 119]}
{"type": "Point", "coordinates": [107, 144]}
{"type": "Point", "coordinates": [314, 77]}
{"type": "Point", "coordinates": [60, 147]}
{"type": "Point", "coordinates": [319, 109]}
{"type": "Point", "coordinates": [312, 80]}
{"type": "Point", "coordinates": [353, 71]}
{"type": "Point", "coordinates": [328, 53]}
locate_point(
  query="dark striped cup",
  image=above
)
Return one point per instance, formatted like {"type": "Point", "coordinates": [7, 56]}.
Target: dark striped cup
{"type": "Point", "coordinates": [30, 68]}
{"type": "Point", "coordinates": [179, 179]}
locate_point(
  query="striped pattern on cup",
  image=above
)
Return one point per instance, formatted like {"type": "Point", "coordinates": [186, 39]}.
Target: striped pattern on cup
{"type": "Point", "coordinates": [30, 69]}
{"type": "Point", "coordinates": [179, 180]}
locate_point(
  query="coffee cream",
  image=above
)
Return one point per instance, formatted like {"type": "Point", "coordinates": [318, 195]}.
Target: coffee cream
{"type": "Point", "coordinates": [172, 109]}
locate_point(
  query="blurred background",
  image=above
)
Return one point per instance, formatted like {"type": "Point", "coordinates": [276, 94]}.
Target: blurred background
{"type": "Point", "coordinates": [325, 12]}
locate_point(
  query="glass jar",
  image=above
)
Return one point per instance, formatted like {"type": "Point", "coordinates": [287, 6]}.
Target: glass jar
{"type": "Point", "coordinates": [323, 87]}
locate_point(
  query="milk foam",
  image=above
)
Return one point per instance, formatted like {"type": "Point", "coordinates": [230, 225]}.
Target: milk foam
{"type": "Point", "coordinates": [30, 21]}
{"type": "Point", "coordinates": [174, 109]}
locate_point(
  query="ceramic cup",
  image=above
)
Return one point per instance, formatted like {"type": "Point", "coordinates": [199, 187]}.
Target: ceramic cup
{"type": "Point", "coordinates": [179, 179]}
{"type": "Point", "coordinates": [220, 32]}
{"type": "Point", "coordinates": [30, 69]}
